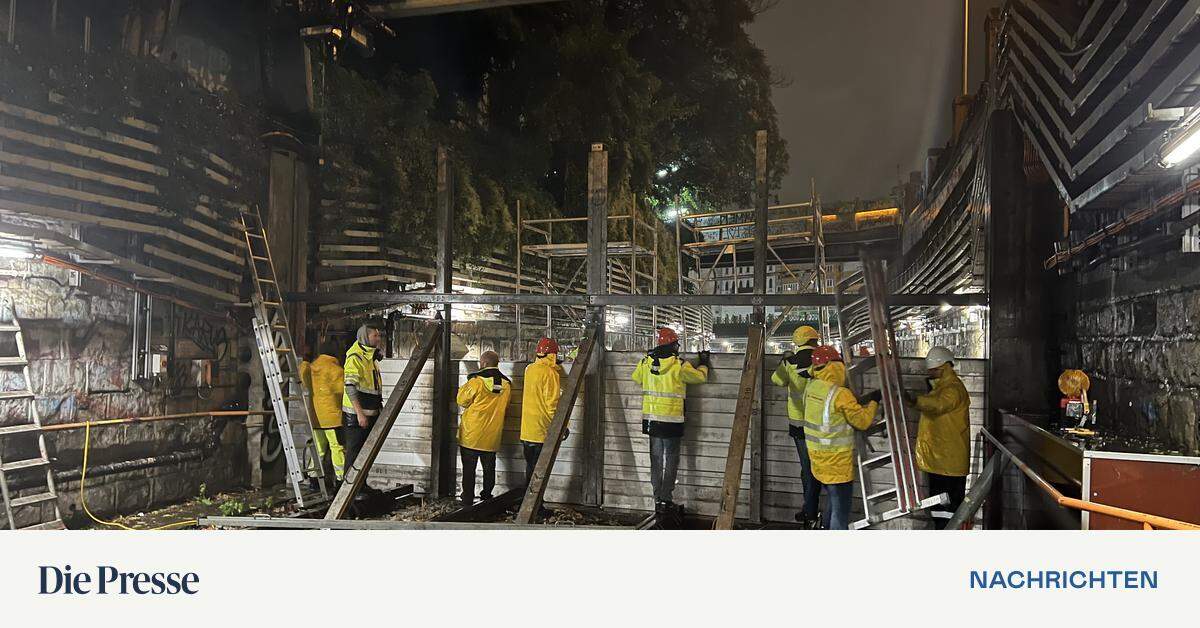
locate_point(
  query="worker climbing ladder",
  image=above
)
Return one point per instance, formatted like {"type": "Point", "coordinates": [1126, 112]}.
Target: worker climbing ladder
{"type": "Point", "coordinates": [10, 327]}
{"type": "Point", "coordinates": [281, 366]}
{"type": "Point", "coordinates": [896, 453]}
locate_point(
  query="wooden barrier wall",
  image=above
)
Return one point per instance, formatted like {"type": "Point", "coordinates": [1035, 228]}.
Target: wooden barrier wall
{"type": "Point", "coordinates": [709, 408]}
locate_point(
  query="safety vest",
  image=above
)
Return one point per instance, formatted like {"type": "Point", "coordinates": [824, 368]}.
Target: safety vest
{"type": "Point", "coordinates": [664, 386]}
{"type": "Point", "coordinates": [796, 380]}
{"type": "Point", "coordinates": [485, 399]}
{"type": "Point", "coordinates": [362, 372]}
{"type": "Point", "coordinates": [825, 429]}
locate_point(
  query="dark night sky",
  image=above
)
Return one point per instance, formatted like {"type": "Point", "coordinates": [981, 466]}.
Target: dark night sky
{"type": "Point", "coordinates": [872, 83]}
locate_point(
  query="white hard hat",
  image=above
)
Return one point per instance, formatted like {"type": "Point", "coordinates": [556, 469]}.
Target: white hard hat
{"type": "Point", "coordinates": [938, 356]}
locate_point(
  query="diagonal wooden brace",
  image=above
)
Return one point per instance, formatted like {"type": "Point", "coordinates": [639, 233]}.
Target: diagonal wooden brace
{"type": "Point", "coordinates": [356, 473]}
{"type": "Point", "coordinates": [747, 390]}
{"type": "Point", "coordinates": [558, 427]}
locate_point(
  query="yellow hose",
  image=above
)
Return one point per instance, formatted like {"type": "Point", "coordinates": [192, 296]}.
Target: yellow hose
{"type": "Point", "coordinates": [87, 442]}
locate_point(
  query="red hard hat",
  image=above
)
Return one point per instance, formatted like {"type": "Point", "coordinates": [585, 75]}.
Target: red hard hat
{"type": "Point", "coordinates": [825, 354]}
{"type": "Point", "coordinates": [546, 346]}
{"type": "Point", "coordinates": [666, 336]}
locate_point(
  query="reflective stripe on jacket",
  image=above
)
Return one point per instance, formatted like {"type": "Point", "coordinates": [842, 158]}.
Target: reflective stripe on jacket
{"type": "Point", "coordinates": [795, 378]}
{"type": "Point", "coordinates": [539, 397]}
{"type": "Point", "coordinates": [362, 372]}
{"type": "Point", "coordinates": [664, 386]}
{"type": "Point", "coordinates": [325, 383]}
{"type": "Point", "coordinates": [944, 432]}
{"type": "Point", "coordinates": [484, 399]}
{"type": "Point", "coordinates": [831, 414]}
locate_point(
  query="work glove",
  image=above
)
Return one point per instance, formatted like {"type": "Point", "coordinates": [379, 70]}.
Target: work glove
{"type": "Point", "coordinates": [874, 395]}
{"type": "Point", "coordinates": [705, 359]}
{"type": "Point", "coordinates": [909, 397]}
{"type": "Point", "coordinates": [787, 355]}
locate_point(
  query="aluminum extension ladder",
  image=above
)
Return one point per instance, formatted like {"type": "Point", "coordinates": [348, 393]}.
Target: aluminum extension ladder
{"type": "Point", "coordinates": [10, 326]}
{"type": "Point", "coordinates": [896, 453]}
{"type": "Point", "coordinates": [281, 366]}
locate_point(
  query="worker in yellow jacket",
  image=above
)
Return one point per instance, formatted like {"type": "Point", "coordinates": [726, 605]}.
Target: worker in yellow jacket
{"type": "Point", "coordinates": [541, 389]}
{"type": "Point", "coordinates": [362, 397]}
{"type": "Point", "coordinates": [944, 433]}
{"type": "Point", "coordinates": [484, 399]}
{"type": "Point", "coordinates": [664, 379]}
{"type": "Point", "coordinates": [793, 374]}
{"type": "Point", "coordinates": [323, 379]}
{"type": "Point", "coordinates": [831, 414]}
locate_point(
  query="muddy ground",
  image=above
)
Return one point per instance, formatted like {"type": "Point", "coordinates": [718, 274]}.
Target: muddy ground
{"type": "Point", "coordinates": [278, 502]}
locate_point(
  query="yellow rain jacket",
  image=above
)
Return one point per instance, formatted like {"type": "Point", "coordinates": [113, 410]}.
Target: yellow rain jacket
{"type": "Point", "coordinates": [793, 375]}
{"type": "Point", "coordinates": [362, 371]}
{"type": "Point", "coordinates": [664, 387]}
{"type": "Point", "coordinates": [944, 432]}
{"type": "Point", "coordinates": [323, 379]}
{"type": "Point", "coordinates": [484, 399]}
{"type": "Point", "coordinates": [541, 389]}
{"type": "Point", "coordinates": [831, 414]}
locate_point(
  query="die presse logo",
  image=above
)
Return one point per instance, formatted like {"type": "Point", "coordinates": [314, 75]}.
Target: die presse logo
{"type": "Point", "coordinates": [108, 580]}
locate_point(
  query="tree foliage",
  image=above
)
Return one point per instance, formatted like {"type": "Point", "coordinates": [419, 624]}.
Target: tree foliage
{"type": "Point", "coordinates": [675, 89]}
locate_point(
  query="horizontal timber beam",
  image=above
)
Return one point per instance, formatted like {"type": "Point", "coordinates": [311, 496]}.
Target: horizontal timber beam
{"type": "Point", "coordinates": [416, 8]}
{"type": "Point", "coordinates": [646, 300]}
{"type": "Point", "coordinates": [287, 523]}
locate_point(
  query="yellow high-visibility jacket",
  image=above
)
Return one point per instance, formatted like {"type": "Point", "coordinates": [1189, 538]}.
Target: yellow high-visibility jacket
{"type": "Point", "coordinates": [831, 414]}
{"type": "Point", "coordinates": [362, 372]}
{"type": "Point", "coordinates": [323, 379]}
{"type": "Point", "coordinates": [539, 397]}
{"type": "Point", "coordinates": [664, 386]}
{"type": "Point", "coordinates": [484, 399]}
{"type": "Point", "coordinates": [944, 432]}
{"type": "Point", "coordinates": [795, 379]}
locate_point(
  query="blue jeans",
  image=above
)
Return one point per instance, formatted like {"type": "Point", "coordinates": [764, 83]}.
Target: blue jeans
{"type": "Point", "coordinates": [664, 463]}
{"type": "Point", "coordinates": [837, 507]}
{"type": "Point", "coordinates": [810, 484]}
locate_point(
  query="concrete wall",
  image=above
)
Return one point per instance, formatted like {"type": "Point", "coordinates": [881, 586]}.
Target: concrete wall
{"type": "Point", "coordinates": [709, 408]}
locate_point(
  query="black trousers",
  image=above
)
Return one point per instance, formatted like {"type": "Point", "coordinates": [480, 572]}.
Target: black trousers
{"type": "Point", "coordinates": [952, 485]}
{"type": "Point", "coordinates": [353, 438]}
{"type": "Point", "coordinates": [470, 459]}
{"type": "Point", "coordinates": [532, 451]}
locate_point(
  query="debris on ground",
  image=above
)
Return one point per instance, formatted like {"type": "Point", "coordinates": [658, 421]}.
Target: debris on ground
{"type": "Point", "coordinates": [275, 501]}
{"type": "Point", "coordinates": [426, 509]}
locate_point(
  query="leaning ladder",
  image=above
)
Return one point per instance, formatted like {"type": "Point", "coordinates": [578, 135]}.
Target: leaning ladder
{"type": "Point", "coordinates": [281, 367]}
{"type": "Point", "coordinates": [11, 326]}
{"type": "Point", "coordinates": [896, 453]}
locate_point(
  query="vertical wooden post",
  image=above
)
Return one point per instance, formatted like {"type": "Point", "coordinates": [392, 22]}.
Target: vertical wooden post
{"type": "Point", "coordinates": [442, 467]}
{"type": "Point", "coordinates": [519, 354]}
{"type": "Point", "coordinates": [758, 420]}
{"type": "Point", "coordinates": [597, 276]}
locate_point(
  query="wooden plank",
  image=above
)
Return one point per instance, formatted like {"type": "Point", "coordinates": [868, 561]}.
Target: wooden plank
{"type": "Point", "coordinates": [486, 508]}
{"type": "Point", "coordinates": [356, 473]}
{"type": "Point", "coordinates": [741, 427]}
{"type": "Point", "coordinates": [55, 121]}
{"type": "Point", "coordinates": [77, 195]}
{"type": "Point", "coordinates": [190, 262]}
{"type": "Point", "coordinates": [79, 173]}
{"type": "Point", "coordinates": [545, 462]}
{"type": "Point", "coordinates": [81, 151]}
{"type": "Point", "coordinates": [116, 223]}
{"type": "Point", "coordinates": [119, 262]}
